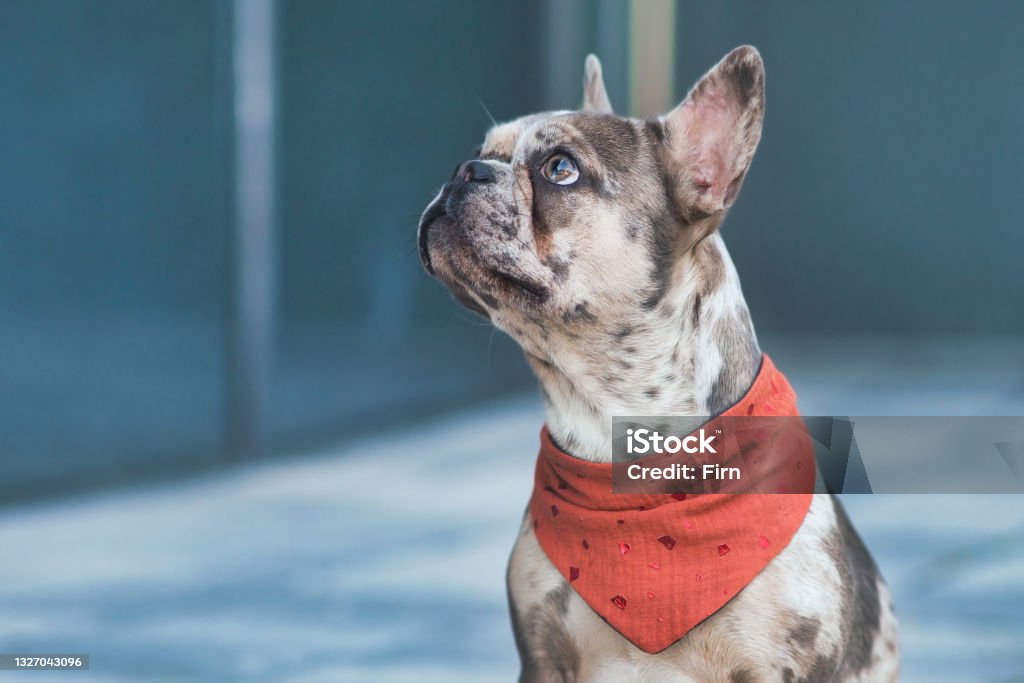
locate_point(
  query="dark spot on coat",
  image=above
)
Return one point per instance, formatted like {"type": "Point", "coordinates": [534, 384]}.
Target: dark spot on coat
{"type": "Point", "coordinates": [741, 361]}
{"type": "Point", "coordinates": [745, 82]}
{"type": "Point", "coordinates": [655, 130]}
{"type": "Point", "coordinates": [823, 669]}
{"type": "Point", "coordinates": [862, 606]}
{"type": "Point", "coordinates": [805, 632]}
{"type": "Point", "coordinates": [633, 229]}
{"type": "Point", "coordinates": [546, 644]}
{"type": "Point", "coordinates": [708, 258]}
{"type": "Point", "coordinates": [745, 78]}
{"type": "Point", "coordinates": [622, 331]}
{"type": "Point", "coordinates": [695, 316]}
{"type": "Point", "coordinates": [742, 676]}
{"type": "Point", "coordinates": [652, 392]}
{"type": "Point", "coordinates": [579, 313]}
{"type": "Point", "coordinates": [559, 269]}
{"type": "Point", "coordinates": [662, 241]}
{"type": "Point", "coordinates": [612, 138]}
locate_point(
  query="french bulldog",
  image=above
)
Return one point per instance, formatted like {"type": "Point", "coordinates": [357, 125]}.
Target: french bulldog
{"type": "Point", "coordinates": [592, 240]}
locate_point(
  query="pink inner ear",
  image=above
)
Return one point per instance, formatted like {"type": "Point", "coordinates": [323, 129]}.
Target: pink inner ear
{"type": "Point", "coordinates": [709, 122]}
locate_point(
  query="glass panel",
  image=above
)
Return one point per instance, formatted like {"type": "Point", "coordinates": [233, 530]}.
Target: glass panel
{"type": "Point", "coordinates": [111, 241]}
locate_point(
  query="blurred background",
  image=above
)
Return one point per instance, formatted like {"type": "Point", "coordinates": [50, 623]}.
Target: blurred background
{"type": "Point", "coordinates": [217, 345]}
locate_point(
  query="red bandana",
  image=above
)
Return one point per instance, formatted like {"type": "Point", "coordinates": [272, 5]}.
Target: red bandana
{"type": "Point", "coordinates": [655, 565]}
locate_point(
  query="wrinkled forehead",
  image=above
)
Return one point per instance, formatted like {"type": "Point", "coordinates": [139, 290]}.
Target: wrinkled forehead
{"type": "Point", "coordinates": [604, 139]}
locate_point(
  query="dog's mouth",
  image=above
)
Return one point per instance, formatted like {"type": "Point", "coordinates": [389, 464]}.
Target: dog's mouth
{"type": "Point", "coordinates": [534, 290]}
{"type": "Point", "coordinates": [470, 272]}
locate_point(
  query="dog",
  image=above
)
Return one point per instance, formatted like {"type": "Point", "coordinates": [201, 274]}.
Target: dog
{"type": "Point", "coordinates": [592, 240]}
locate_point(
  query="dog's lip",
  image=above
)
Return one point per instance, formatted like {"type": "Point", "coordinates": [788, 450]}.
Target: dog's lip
{"type": "Point", "coordinates": [516, 282]}
{"type": "Point", "coordinates": [537, 291]}
{"type": "Point", "coordinates": [433, 212]}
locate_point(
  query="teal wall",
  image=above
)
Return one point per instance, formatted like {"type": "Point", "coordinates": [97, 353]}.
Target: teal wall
{"type": "Point", "coordinates": [886, 194]}
{"type": "Point", "coordinates": [884, 200]}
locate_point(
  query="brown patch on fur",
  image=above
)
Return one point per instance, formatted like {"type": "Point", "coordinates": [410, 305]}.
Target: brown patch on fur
{"type": "Point", "coordinates": [708, 259]}
{"type": "Point", "coordinates": [559, 269]}
{"type": "Point", "coordinates": [741, 360]}
{"type": "Point", "coordinates": [822, 669]}
{"type": "Point", "coordinates": [548, 641]}
{"type": "Point", "coordinates": [805, 632]}
{"type": "Point", "coordinates": [580, 313]}
{"type": "Point", "coordinates": [742, 676]}
{"type": "Point", "coordinates": [862, 604]}
{"type": "Point", "coordinates": [612, 139]}
{"type": "Point", "coordinates": [622, 331]}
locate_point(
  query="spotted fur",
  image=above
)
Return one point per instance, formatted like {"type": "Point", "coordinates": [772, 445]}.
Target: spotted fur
{"type": "Point", "coordinates": [624, 298]}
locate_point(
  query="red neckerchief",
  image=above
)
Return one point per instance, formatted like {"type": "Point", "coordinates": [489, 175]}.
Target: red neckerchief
{"type": "Point", "coordinates": [655, 565]}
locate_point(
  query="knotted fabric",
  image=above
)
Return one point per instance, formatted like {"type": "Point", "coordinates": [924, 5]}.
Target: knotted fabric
{"type": "Point", "coordinates": [654, 565]}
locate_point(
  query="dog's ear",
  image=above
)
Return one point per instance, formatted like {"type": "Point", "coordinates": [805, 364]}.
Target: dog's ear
{"type": "Point", "coordinates": [712, 135]}
{"type": "Point", "coordinates": [595, 97]}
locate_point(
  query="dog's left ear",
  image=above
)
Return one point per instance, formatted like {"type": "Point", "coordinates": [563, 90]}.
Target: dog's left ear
{"type": "Point", "coordinates": [712, 135]}
{"type": "Point", "coordinates": [595, 97]}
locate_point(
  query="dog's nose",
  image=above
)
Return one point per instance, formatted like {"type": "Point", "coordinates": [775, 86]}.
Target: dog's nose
{"type": "Point", "coordinates": [474, 171]}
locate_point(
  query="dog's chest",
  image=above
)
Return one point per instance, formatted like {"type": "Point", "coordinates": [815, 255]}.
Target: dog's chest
{"type": "Point", "coordinates": [789, 618]}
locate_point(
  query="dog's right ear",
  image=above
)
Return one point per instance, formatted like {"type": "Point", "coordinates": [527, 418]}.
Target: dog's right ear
{"type": "Point", "coordinates": [595, 97]}
{"type": "Point", "coordinates": [712, 135]}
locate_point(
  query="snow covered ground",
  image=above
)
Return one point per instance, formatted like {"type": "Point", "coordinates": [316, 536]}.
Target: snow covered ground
{"type": "Point", "coordinates": [383, 559]}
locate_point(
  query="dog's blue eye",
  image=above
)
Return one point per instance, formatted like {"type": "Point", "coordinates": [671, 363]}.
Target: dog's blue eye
{"type": "Point", "coordinates": [561, 170]}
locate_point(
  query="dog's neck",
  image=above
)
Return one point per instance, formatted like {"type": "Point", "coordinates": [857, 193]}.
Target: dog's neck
{"type": "Point", "coordinates": [694, 353]}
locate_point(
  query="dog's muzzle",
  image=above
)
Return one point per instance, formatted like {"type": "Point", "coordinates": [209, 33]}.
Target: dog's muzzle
{"type": "Point", "coordinates": [473, 171]}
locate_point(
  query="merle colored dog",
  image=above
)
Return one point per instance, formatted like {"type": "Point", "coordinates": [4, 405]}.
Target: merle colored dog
{"type": "Point", "coordinates": [592, 240]}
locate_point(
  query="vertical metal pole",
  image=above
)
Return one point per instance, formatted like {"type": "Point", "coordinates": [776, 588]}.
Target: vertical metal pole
{"type": "Point", "coordinates": [251, 246]}
{"type": "Point", "coordinates": [652, 28]}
